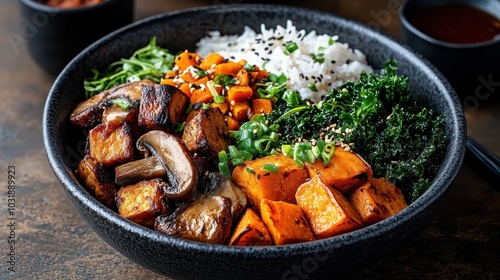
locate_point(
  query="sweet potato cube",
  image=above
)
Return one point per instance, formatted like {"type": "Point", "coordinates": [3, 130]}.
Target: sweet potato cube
{"type": "Point", "coordinates": [262, 106]}
{"type": "Point", "coordinates": [211, 59]}
{"type": "Point", "coordinates": [230, 68]}
{"type": "Point", "coordinates": [345, 172]}
{"type": "Point", "coordinates": [239, 93]}
{"type": "Point", "coordinates": [329, 213]}
{"type": "Point", "coordinates": [186, 59]}
{"type": "Point", "coordinates": [142, 202]}
{"type": "Point", "coordinates": [260, 184]}
{"type": "Point", "coordinates": [161, 107]}
{"type": "Point", "coordinates": [286, 222]}
{"type": "Point", "coordinates": [240, 110]}
{"type": "Point", "coordinates": [111, 144]}
{"type": "Point", "coordinates": [250, 231]}
{"type": "Point", "coordinates": [376, 200]}
{"type": "Point", "coordinates": [97, 180]}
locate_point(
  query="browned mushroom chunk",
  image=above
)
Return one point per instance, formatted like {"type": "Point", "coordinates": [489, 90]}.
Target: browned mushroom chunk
{"type": "Point", "coordinates": [88, 113]}
{"type": "Point", "coordinates": [111, 143]}
{"type": "Point", "coordinates": [204, 219]}
{"type": "Point", "coordinates": [165, 150]}
{"type": "Point", "coordinates": [97, 180]}
{"type": "Point", "coordinates": [142, 202]}
{"type": "Point", "coordinates": [207, 133]}
{"type": "Point", "coordinates": [217, 184]}
{"type": "Point", "coordinates": [161, 107]}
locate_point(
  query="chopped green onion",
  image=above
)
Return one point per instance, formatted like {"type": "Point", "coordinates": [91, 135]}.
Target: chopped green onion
{"type": "Point", "coordinates": [205, 106]}
{"type": "Point", "coordinates": [224, 80]}
{"type": "Point", "coordinates": [219, 99]}
{"type": "Point", "coordinates": [123, 103]}
{"type": "Point", "coordinates": [178, 127]}
{"type": "Point", "coordinates": [312, 87]}
{"type": "Point", "coordinates": [331, 41]}
{"type": "Point", "coordinates": [249, 170]}
{"type": "Point", "coordinates": [223, 164]}
{"type": "Point", "coordinates": [200, 72]}
{"type": "Point", "coordinates": [248, 67]}
{"type": "Point", "coordinates": [270, 168]}
{"type": "Point", "coordinates": [327, 153]}
{"type": "Point", "coordinates": [318, 57]}
{"type": "Point", "coordinates": [290, 48]}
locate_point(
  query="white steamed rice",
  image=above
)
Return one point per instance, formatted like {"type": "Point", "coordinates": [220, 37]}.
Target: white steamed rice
{"type": "Point", "coordinates": [267, 49]}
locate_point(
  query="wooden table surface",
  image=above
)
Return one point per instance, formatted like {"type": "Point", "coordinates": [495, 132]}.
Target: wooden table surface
{"type": "Point", "coordinates": [53, 242]}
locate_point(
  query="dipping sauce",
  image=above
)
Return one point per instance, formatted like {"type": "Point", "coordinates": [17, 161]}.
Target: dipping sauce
{"type": "Point", "coordinates": [69, 3]}
{"type": "Point", "coordinates": [456, 23]}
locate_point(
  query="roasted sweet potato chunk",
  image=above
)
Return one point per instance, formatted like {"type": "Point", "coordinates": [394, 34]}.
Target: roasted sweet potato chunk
{"type": "Point", "coordinates": [250, 231]}
{"type": "Point", "coordinates": [161, 107]}
{"type": "Point", "coordinates": [286, 222]}
{"type": "Point", "coordinates": [142, 202]}
{"type": "Point", "coordinates": [345, 172]}
{"type": "Point", "coordinates": [204, 218]}
{"type": "Point", "coordinates": [376, 200]}
{"type": "Point", "coordinates": [97, 180]}
{"type": "Point", "coordinates": [329, 213]}
{"type": "Point", "coordinates": [259, 184]}
{"type": "Point", "coordinates": [111, 143]}
{"type": "Point", "coordinates": [207, 133]}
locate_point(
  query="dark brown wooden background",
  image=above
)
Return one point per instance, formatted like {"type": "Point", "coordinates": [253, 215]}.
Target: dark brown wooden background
{"type": "Point", "coordinates": [53, 242]}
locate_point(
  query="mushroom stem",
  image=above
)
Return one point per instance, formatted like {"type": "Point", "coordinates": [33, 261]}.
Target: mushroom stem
{"type": "Point", "coordinates": [142, 169]}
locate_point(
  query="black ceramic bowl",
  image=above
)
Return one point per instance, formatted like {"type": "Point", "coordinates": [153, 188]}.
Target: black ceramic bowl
{"type": "Point", "coordinates": [469, 68]}
{"type": "Point", "coordinates": [55, 35]}
{"type": "Point", "coordinates": [183, 259]}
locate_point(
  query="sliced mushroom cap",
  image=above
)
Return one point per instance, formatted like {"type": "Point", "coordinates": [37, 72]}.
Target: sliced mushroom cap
{"type": "Point", "coordinates": [181, 171]}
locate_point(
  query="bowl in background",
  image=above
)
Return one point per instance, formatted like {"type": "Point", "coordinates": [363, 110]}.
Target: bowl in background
{"type": "Point", "coordinates": [184, 259]}
{"type": "Point", "coordinates": [472, 68]}
{"type": "Point", "coordinates": [55, 35]}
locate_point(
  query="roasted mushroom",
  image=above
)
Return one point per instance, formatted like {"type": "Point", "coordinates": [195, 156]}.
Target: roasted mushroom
{"type": "Point", "coordinates": [216, 183]}
{"type": "Point", "coordinates": [88, 113]}
{"type": "Point", "coordinates": [162, 151]}
{"type": "Point", "coordinates": [204, 219]}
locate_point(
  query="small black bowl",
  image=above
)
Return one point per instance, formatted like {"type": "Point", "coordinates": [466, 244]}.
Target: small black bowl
{"type": "Point", "coordinates": [178, 258]}
{"type": "Point", "coordinates": [472, 69]}
{"type": "Point", "coordinates": [56, 35]}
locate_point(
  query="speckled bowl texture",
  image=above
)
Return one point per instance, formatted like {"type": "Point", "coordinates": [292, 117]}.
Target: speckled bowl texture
{"type": "Point", "coordinates": [183, 259]}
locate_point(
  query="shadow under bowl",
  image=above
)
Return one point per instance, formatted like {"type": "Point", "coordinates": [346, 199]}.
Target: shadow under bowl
{"type": "Point", "coordinates": [185, 259]}
{"type": "Point", "coordinates": [56, 35]}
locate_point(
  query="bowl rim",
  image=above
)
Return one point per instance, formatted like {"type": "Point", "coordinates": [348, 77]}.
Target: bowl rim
{"type": "Point", "coordinates": [439, 185]}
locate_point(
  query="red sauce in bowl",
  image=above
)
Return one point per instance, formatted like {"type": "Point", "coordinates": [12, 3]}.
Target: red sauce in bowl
{"type": "Point", "coordinates": [70, 3]}
{"type": "Point", "coordinates": [456, 23]}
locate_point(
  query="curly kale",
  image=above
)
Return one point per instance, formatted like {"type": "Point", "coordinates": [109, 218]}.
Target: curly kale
{"type": "Point", "coordinates": [401, 139]}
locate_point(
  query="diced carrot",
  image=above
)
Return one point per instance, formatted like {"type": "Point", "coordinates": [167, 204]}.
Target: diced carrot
{"type": "Point", "coordinates": [250, 231]}
{"type": "Point", "coordinates": [201, 95]}
{"type": "Point", "coordinates": [232, 124]}
{"type": "Point", "coordinates": [170, 74]}
{"type": "Point", "coordinates": [168, 81]}
{"type": "Point", "coordinates": [211, 59]}
{"type": "Point", "coordinates": [242, 62]}
{"type": "Point", "coordinates": [329, 213]}
{"type": "Point", "coordinates": [239, 93]}
{"type": "Point", "coordinates": [262, 105]}
{"type": "Point", "coordinates": [223, 107]}
{"type": "Point", "coordinates": [240, 110]}
{"type": "Point", "coordinates": [186, 59]}
{"type": "Point", "coordinates": [286, 222]}
{"type": "Point", "coordinates": [376, 200]}
{"type": "Point", "coordinates": [187, 77]}
{"type": "Point", "coordinates": [244, 77]}
{"type": "Point", "coordinates": [202, 80]}
{"type": "Point", "coordinates": [262, 74]}
{"type": "Point", "coordinates": [227, 68]}
{"type": "Point", "coordinates": [185, 89]}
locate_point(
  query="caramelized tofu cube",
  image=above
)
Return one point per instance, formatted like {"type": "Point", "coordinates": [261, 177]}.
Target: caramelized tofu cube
{"type": "Point", "coordinates": [161, 107]}
{"type": "Point", "coordinates": [329, 213]}
{"type": "Point", "coordinates": [204, 218]}
{"type": "Point", "coordinates": [250, 231]}
{"type": "Point", "coordinates": [259, 184]}
{"type": "Point", "coordinates": [130, 115]}
{"type": "Point", "coordinates": [286, 222]}
{"type": "Point", "coordinates": [376, 200]}
{"type": "Point", "coordinates": [111, 143]}
{"type": "Point", "coordinates": [142, 202]}
{"type": "Point", "coordinates": [345, 172]}
{"type": "Point", "coordinates": [97, 180]}
{"type": "Point", "coordinates": [207, 133]}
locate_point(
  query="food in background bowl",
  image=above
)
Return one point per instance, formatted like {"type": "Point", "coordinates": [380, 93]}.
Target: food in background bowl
{"type": "Point", "coordinates": [179, 258]}
{"type": "Point", "coordinates": [265, 123]}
